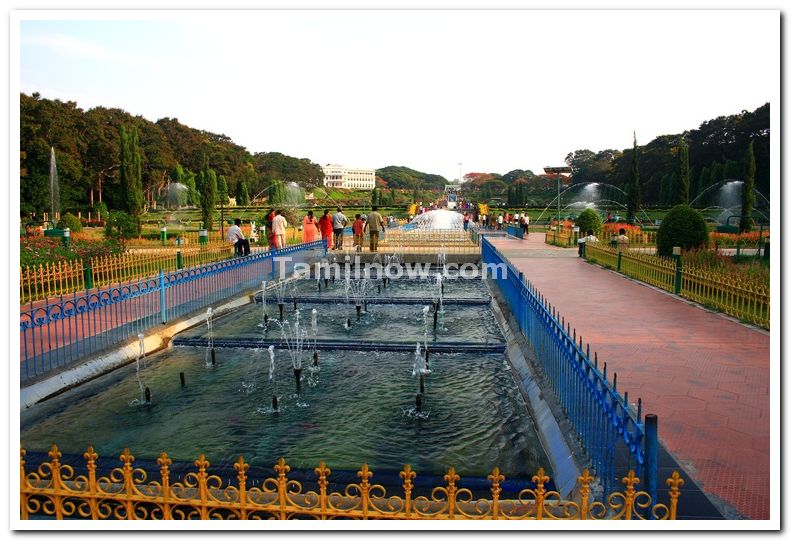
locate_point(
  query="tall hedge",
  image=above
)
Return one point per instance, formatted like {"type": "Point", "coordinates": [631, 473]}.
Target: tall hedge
{"type": "Point", "coordinates": [682, 226]}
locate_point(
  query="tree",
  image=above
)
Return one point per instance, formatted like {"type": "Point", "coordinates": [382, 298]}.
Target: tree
{"type": "Point", "coordinates": [704, 181]}
{"type": "Point", "coordinates": [242, 195]}
{"type": "Point", "coordinates": [681, 188]}
{"type": "Point", "coordinates": [748, 190]}
{"type": "Point", "coordinates": [374, 197]}
{"type": "Point", "coordinates": [207, 186]}
{"type": "Point", "coordinates": [130, 173]}
{"type": "Point", "coordinates": [633, 191]}
{"type": "Point", "coordinates": [222, 190]}
{"type": "Point", "coordinates": [683, 226]}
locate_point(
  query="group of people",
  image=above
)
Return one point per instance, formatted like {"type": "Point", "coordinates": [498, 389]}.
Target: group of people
{"type": "Point", "coordinates": [330, 228]}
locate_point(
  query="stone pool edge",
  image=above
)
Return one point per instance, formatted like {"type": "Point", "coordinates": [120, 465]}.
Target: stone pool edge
{"type": "Point", "coordinates": [565, 469]}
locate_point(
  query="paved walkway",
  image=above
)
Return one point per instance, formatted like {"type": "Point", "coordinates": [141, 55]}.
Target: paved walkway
{"type": "Point", "coordinates": [706, 376]}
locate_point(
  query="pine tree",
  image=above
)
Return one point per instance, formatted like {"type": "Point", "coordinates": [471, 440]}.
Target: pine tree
{"type": "Point", "coordinates": [633, 195]}
{"type": "Point", "coordinates": [681, 187]}
{"type": "Point", "coordinates": [748, 190]}
{"type": "Point", "coordinates": [131, 173]}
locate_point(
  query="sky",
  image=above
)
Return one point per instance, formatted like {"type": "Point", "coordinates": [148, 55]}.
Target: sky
{"type": "Point", "coordinates": [492, 90]}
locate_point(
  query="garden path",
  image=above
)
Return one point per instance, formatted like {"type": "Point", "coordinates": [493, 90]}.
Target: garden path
{"type": "Point", "coordinates": [704, 374]}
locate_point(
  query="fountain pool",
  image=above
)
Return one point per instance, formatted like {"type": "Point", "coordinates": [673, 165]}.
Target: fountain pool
{"type": "Point", "coordinates": [355, 407]}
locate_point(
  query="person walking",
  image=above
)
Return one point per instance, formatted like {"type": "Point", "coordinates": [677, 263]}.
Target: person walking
{"type": "Point", "coordinates": [375, 224]}
{"type": "Point", "coordinates": [279, 226]}
{"type": "Point", "coordinates": [270, 232]}
{"type": "Point", "coordinates": [339, 222]}
{"type": "Point", "coordinates": [525, 224]}
{"type": "Point", "coordinates": [590, 237]}
{"type": "Point", "coordinates": [325, 226]}
{"type": "Point", "coordinates": [466, 220]}
{"type": "Point", "coordinates": [357, 232]}
{"type": "Point", "coordinates": [310, 228]}
{"type": "Point", "coordinates": [241, 246]}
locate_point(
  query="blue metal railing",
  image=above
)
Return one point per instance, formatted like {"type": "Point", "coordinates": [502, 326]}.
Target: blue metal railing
{"type": "Point", "coordinates": [59, 332]}
{"type": "Point", "coordinates": [515, 231]}
{"type": "Point", "coordinates": [599, 415]}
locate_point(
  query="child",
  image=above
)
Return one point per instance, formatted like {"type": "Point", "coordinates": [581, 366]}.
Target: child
{"type": "Point", "coordinates": [357, 230]}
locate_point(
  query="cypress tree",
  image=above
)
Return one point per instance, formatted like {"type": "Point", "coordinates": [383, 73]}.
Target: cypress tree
{"type": "Point", "coordinates": [131, 173]}
{"type": "Point", "coordinates": [633, 194]}
{"type": "Point", "coordinates": [681, 187]}
{"type": "Point", "coordinates": [748, 190]}
{"type": "Point", "coordinates": [242, 195]}
{"type": "Point", "coordinates": [222, 190]}
{"type": "Point", "coordinates": [207, 186]}
{"type": "Point", "coordinates": [704, 180]}
{"type": "Point", "coordinates": [717, 173]}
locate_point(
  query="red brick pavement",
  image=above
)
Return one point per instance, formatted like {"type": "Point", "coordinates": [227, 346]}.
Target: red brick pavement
{"type": "Point", "coordinates": [705, 376]}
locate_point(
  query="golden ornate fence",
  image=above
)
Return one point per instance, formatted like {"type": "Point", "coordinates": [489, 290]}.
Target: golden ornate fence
{"type": "Point", "coordinates": [64, 277]}
{"type": "Point", "coordinates": [54, 489]}
{"type": "Point", "coordinates": [746, 300]}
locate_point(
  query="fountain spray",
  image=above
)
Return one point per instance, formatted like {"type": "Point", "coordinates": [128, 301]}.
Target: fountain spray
{"type": "Point", "coordinates": [264, 316]}
{"type": "Point", "coordinates": [272, 377]}
{"type": "Point", "coordinates": [210, 341]}
{"type": "Point", "coordinates": [145, 393]}
{"type": "Point", "coordinates": [314, 327]}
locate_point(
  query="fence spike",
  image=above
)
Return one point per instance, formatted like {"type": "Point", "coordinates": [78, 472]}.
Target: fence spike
{"type": "Point", "coordinates": [639, 409]}
{"type": "Point", "coordinates": [596, 359]}
{"type": "Point", "coordinates": [615, 382]}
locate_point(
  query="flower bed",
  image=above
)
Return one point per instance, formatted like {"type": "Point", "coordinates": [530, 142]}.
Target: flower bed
{"type": "Point", "coordinates": [36, 250]}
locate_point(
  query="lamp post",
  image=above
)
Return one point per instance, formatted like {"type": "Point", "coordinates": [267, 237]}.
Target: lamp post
{"type": "Point", "coordinates": [558, 171]}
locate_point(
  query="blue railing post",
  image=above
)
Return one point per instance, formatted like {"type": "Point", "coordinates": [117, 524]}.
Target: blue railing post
{"type": "Point", "coordinates": [651, 455]}
{"type": "Point", "coordinates": [162, 295]}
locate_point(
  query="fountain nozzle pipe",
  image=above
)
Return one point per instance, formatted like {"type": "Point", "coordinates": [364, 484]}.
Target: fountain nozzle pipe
{"type": "Point", "coordinates": [181, 377]}
{"type": "Point", "coordinates": [326, 282]}
{"type": "Point", "coordinates": [148, 395]}
{"type": "Point", "coordinates": [213, 357]}
{"type": "Point", "coordinates": [422, 384]}
{"type": "Point", "coordinates": [358, 311]}
{"type": "Point", "coordinates": [319, 283]}
{"type": "Point", "coordinates": [274, 402]}
{"type": "Point", "coordinates": [298, 378]}
{"type": "Point", "coordinates": [378, 288]}
{"type": "Point", "coordinates": [435, 318]}
{"type": "Point", "coordinates": [418, 402]}
{"type": "Point", "coordinates": [315, 358]}
{"type": "Point", "coordinates": [348, 323]}
{"type": "Point", "coordinates": [295, 305]}
{"type": "Point", "coordinates": [426, 357]}
{"type": "Point", "coordinates": [280, 305]}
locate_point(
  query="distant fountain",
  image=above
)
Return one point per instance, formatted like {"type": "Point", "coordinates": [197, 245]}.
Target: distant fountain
{"type": "Point", "coordinates": [54, 189]}
{"type": "Point", "coordinates": [724, 201]}
{"type": "Point", "coordinates": [438, 219]}
{"type": "Point", "coordinates": [176, 195]}
{"type": "Point", "coordinates": [599, 196]}
{"type": "Point", "coordinates": [210, 342]}
{"type": "Point", "coordinates": [347, 294]}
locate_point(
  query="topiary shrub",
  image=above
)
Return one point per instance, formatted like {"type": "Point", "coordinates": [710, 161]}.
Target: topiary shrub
{"type": "Point", "coordinates": [121, 226]}
{"type": "Point", "coordinates": [683, 226]}
{"type": "Point", "coordinates": [589, 220]}
{"type": "Point", "coordinates": [71, 222]}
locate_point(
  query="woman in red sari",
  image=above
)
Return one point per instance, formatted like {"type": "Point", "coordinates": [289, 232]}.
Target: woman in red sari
{"type": "Point", "coordinates": [310, 228]}
{"type": "Point", "coordinates": [325, 226]}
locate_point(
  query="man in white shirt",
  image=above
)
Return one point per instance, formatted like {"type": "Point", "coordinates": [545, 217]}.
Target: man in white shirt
{"type": "Point", "coordinates": [279, 226]}
{"type": "Point", "coordinates": [241, 245]}
{"type": "Point", "coordinates": [339, 222]}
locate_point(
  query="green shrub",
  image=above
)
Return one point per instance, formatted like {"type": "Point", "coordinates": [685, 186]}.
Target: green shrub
{"type": "Point", "coordinates": [121, 226]}
{"type": "Point", "coordinates": [589, 220]}
{"type": "Point", "coordinates": [71, 222]}
{"type": "Point", "coordinates": [683, 226]}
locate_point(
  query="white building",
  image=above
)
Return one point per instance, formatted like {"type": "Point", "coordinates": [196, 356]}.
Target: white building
{"type": "Point", "coordinates": [338, 176]}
